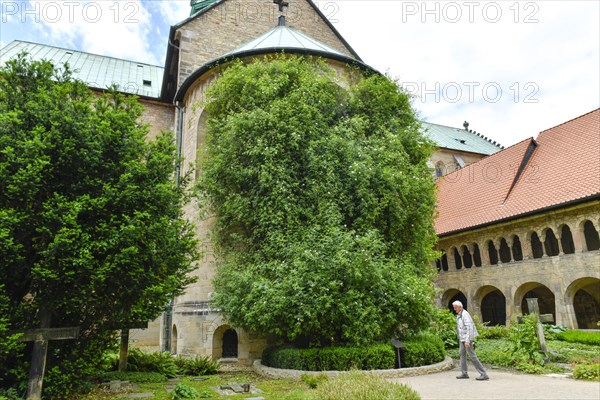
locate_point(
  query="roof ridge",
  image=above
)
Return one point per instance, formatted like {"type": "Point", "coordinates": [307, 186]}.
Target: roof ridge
{"type": "Point", "coordinates": [571, 120]}
{"type": "Point", "coordinates": [85, 52]}
{"type": "Point", "coordinates": [473, 164]}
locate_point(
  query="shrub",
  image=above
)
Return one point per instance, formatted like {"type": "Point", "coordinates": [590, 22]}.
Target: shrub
{"type": "Point", "coordinates": [379, 356]}
{"type": "Point", "coordinates": [422, 349]}
{"type": "Point", "coordinates": [358, 385]}
{"type": "Point", "coordinates": [138, 377]}
{"type": "Point", "coordinates": [9, 394]}
{"type": "Point", "coordinates": [590, 372]}
{"type": "Point", "coordinates": [444, 326]}
{"type": "Point", "coordinates": [551, 332]}
{"type": "Point", "coordinates": [525, 343]}
{"type": "Point", "coordinates": [162, 362]}
{"type": "Point", "coordinates": [494, 332]}
{"type": "Point", "coordinates": [182, 391]}
{"type": "Point", "coordinates": [574, 336]}
{"type": "Point", "coordinates": [198, 365]}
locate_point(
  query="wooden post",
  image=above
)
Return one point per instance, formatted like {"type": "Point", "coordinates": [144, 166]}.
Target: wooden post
{"type": "Point", "coordinates": [124, 350]}
{"type": "Point", "coordinates": [40, 338]}
{"type": "Point", "coordinates": [534, 308]}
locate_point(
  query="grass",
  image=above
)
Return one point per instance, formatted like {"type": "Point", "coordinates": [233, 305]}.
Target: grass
{"type": "Point", "coordinates": [353, 385]}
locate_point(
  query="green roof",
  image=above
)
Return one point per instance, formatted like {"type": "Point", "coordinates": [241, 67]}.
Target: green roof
{"type": "Point", "coordinates": [284, 37]}
{"type": "Point", "coordinates": [97, 71]}
{"type": "Point", "coordinates": [460, 139]}
{"type": "Point", "coordinates": [198, 5]}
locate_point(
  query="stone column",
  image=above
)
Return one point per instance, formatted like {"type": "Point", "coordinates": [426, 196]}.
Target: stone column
{"type": "Point", "coordinates": [497, 243]}
{"type": "Point", "coordinates": [542, 239]}
{"type": "Point", "coordinates": [526, 247]}
{"type": "Point", "coordinates": [565, 312]}
{"type": "Point", "coordinates": [510, 243]}
{"type": "Point", "coordinates": [484, 254]}
{"type": "Point", "coordinates": [579, 239]}
{"type": "Point", "coordinates": [452, 259]}
{"type": "Point", "coordinates": [558, 235]}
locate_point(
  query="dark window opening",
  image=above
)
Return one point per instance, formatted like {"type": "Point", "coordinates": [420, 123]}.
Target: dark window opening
{"type": "Point", "coordinates": [457, 259]}
{"type": "Point", "coordinates": [591, 236]}
{"type": "Point", "coordinates": [493, 253]}
{"type": "Point", "coordinates": [504, 251]}
{"type": "Point", "coordinates": [566, 240]}
{"type": "Point", "coordinates": [476, 255]}
{"type": "Point", "coordinates": [536, 246]}
{"type": "Point", "coordinates": [230, 344]}
{"type": "Point", "coordinates": [517, 249]}
{"type": "Point", "coordinates": [467, 258]}
{"type": "Point", "coordinates": [551, 244]}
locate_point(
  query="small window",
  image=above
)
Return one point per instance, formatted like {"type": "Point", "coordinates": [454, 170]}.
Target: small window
{"type": "Point", "coordinates": [147, 83]}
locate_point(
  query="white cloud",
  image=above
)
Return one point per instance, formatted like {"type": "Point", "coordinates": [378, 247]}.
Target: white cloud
{"type": "Point", "coordinates": [117, 29]}
{"type": "Point", "coordinates": [174, 11]}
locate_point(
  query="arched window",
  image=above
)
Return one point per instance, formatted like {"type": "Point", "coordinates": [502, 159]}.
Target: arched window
{"type": "Point", "coordinates": [445, 261]}
{"type": "Point", "coordinates": [551, 244]}
{"type": "Point", "coordinates": [493, 253]}
{"type": "Point", "coordinates": [566, 240]}
{"type": "Point", "coordinates": [467, 259]}
{"type": "Point", "coordinates": [536, 246]}
{"type": "Point", "coordinates": [438, 264]}
{"type": "Point", "coordinates": [476, 255]}
{"type": "Point", "coordinates": [504, 251]}
{"type": "Point", "coordinates": [591, 236]}
{"type": "Point", "coordinates": [516, 249]}
{"type": "Point", "coordinates": [457, 259]}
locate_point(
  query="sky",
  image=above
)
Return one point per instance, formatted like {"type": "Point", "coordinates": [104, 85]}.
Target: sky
{"type": "Point", "coordinates": [510, 68]}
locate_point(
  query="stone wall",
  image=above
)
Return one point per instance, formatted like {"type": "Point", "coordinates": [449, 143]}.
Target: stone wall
{"type": "Point", "coordinates": [236, 22]}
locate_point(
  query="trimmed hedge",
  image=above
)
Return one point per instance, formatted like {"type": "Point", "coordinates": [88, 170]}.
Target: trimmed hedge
{"type": "Point", "coordinates": [422, 349]}
{"type": "Point", "coordinates": [574, 336]}
{"type": "Point", "coordinates": [380, 356]}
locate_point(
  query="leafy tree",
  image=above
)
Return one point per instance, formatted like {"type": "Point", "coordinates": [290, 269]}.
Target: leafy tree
{"type": "Point", "coordinates": [324, 202]}
{"type": "Point", "coordinates": [91, 222]}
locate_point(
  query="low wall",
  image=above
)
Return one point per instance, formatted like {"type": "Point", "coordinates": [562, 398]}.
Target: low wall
{"type": "Point", "coordinates": [386, 373]}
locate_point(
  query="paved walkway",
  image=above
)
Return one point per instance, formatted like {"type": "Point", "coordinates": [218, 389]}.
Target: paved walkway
{"type": "Point", "coordinates": [501, 386]}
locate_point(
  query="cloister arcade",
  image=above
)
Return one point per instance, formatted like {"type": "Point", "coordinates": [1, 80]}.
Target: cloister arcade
{"type": "Point", "coordinates": [554, 258]}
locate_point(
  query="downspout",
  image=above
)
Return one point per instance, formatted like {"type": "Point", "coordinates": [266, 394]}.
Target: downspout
{"type": "Point", "coordinates": [179, 136]}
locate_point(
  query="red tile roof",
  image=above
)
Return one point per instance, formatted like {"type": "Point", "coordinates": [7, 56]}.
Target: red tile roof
{"type": "Point", "coordinates": [560, 167]}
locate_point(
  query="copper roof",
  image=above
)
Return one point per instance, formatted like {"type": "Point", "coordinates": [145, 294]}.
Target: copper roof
{"type": "Point", "coordinates": [460, 139]}
{"type": "Point", "coordinates": [97, 71]}
{"type": "Point", "coordinates": [561, 167]}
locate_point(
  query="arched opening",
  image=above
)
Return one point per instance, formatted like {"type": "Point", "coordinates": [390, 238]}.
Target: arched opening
{"type": "Point", "coordinates": [174, 337]}
{"type": "Point", "coordinates": [536, 246]}
{"type": "Point", "coordinates": [493, 253]}
{"type": "Point", "coordinates": [592, 240]}
{"type": "Point", "coordinates": [457, 259]}
{"type": "Point", "coordinates": [566, 240]}
{"type": "Point", "coordinates": [544, 296]}
{"type": "Point", "coordinates": [476, 255]}
{"type": "Point", "coordinates": [467, 258]}
{"type": "Point", "coordinates": [517, 250]}
{"type": "Point", "coordinates": [550, 243]}
{"type": "Point", "coordinates": [438, 265]}
{"type": "Point", "coordinates": [444, 262]}
{"type": "Point", "coordinates": [230, 344]}
{"type": "Point", "coordinates": [456, 295]}
{"type": "Point", "coordinates": [586, 302]}
{"type": "Point", "coordinates": [504, 251]}
{"type": "Point", "coordinates": [493, 308]}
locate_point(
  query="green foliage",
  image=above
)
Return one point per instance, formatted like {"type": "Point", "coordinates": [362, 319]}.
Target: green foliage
{"type": "Point", "coordinates": [325, 203]}
{"type": "Point", "coordinates": [552, 332]}
{"type": "Point", "coordinates": [183, 391]}
{"type": "Point", "coordinates": [422, 349]}
{"type": "Point", "coordinates": [574, 336]}
{"type": "Point", "coordinates": [196, 366]}
{"type": "Point", "coordinates": [9, 394]}
{"type": "Point", "coordinates": [312, 381]}
{"type": "Point", "coordinates": [161, 362]}
{"type": "Point", "coordinates": [137, 377]}
{"type": "Point", "coordinates": [494, 332]}
{"type": "Point", "coordinates": [380, 356]}
{"type": "Point", "coordinates": [444, 327]}
{"type": "Point", "coordinates": [525, 343]}
{"type": "Point", "coordinates": [590, 372]}
{"type": "Point", "coordinates": [91, 221]}
{"type": "Point", "coordinates": [357, 385]}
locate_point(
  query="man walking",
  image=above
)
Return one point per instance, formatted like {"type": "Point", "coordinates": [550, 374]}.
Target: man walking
{"type": "Point", "coordinates": [467, 332]}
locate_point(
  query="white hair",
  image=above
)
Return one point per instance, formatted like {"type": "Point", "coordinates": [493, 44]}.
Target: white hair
{"type": "Point", "coordinates": [457, 303]}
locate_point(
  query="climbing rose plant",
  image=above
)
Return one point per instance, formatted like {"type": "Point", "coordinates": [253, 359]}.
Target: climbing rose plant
{"type": "Point", "coordinates": [324, 203]}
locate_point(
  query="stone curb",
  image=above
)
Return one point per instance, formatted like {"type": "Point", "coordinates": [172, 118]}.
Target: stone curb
{"type": "Point", "coordinates": [445, 365]}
